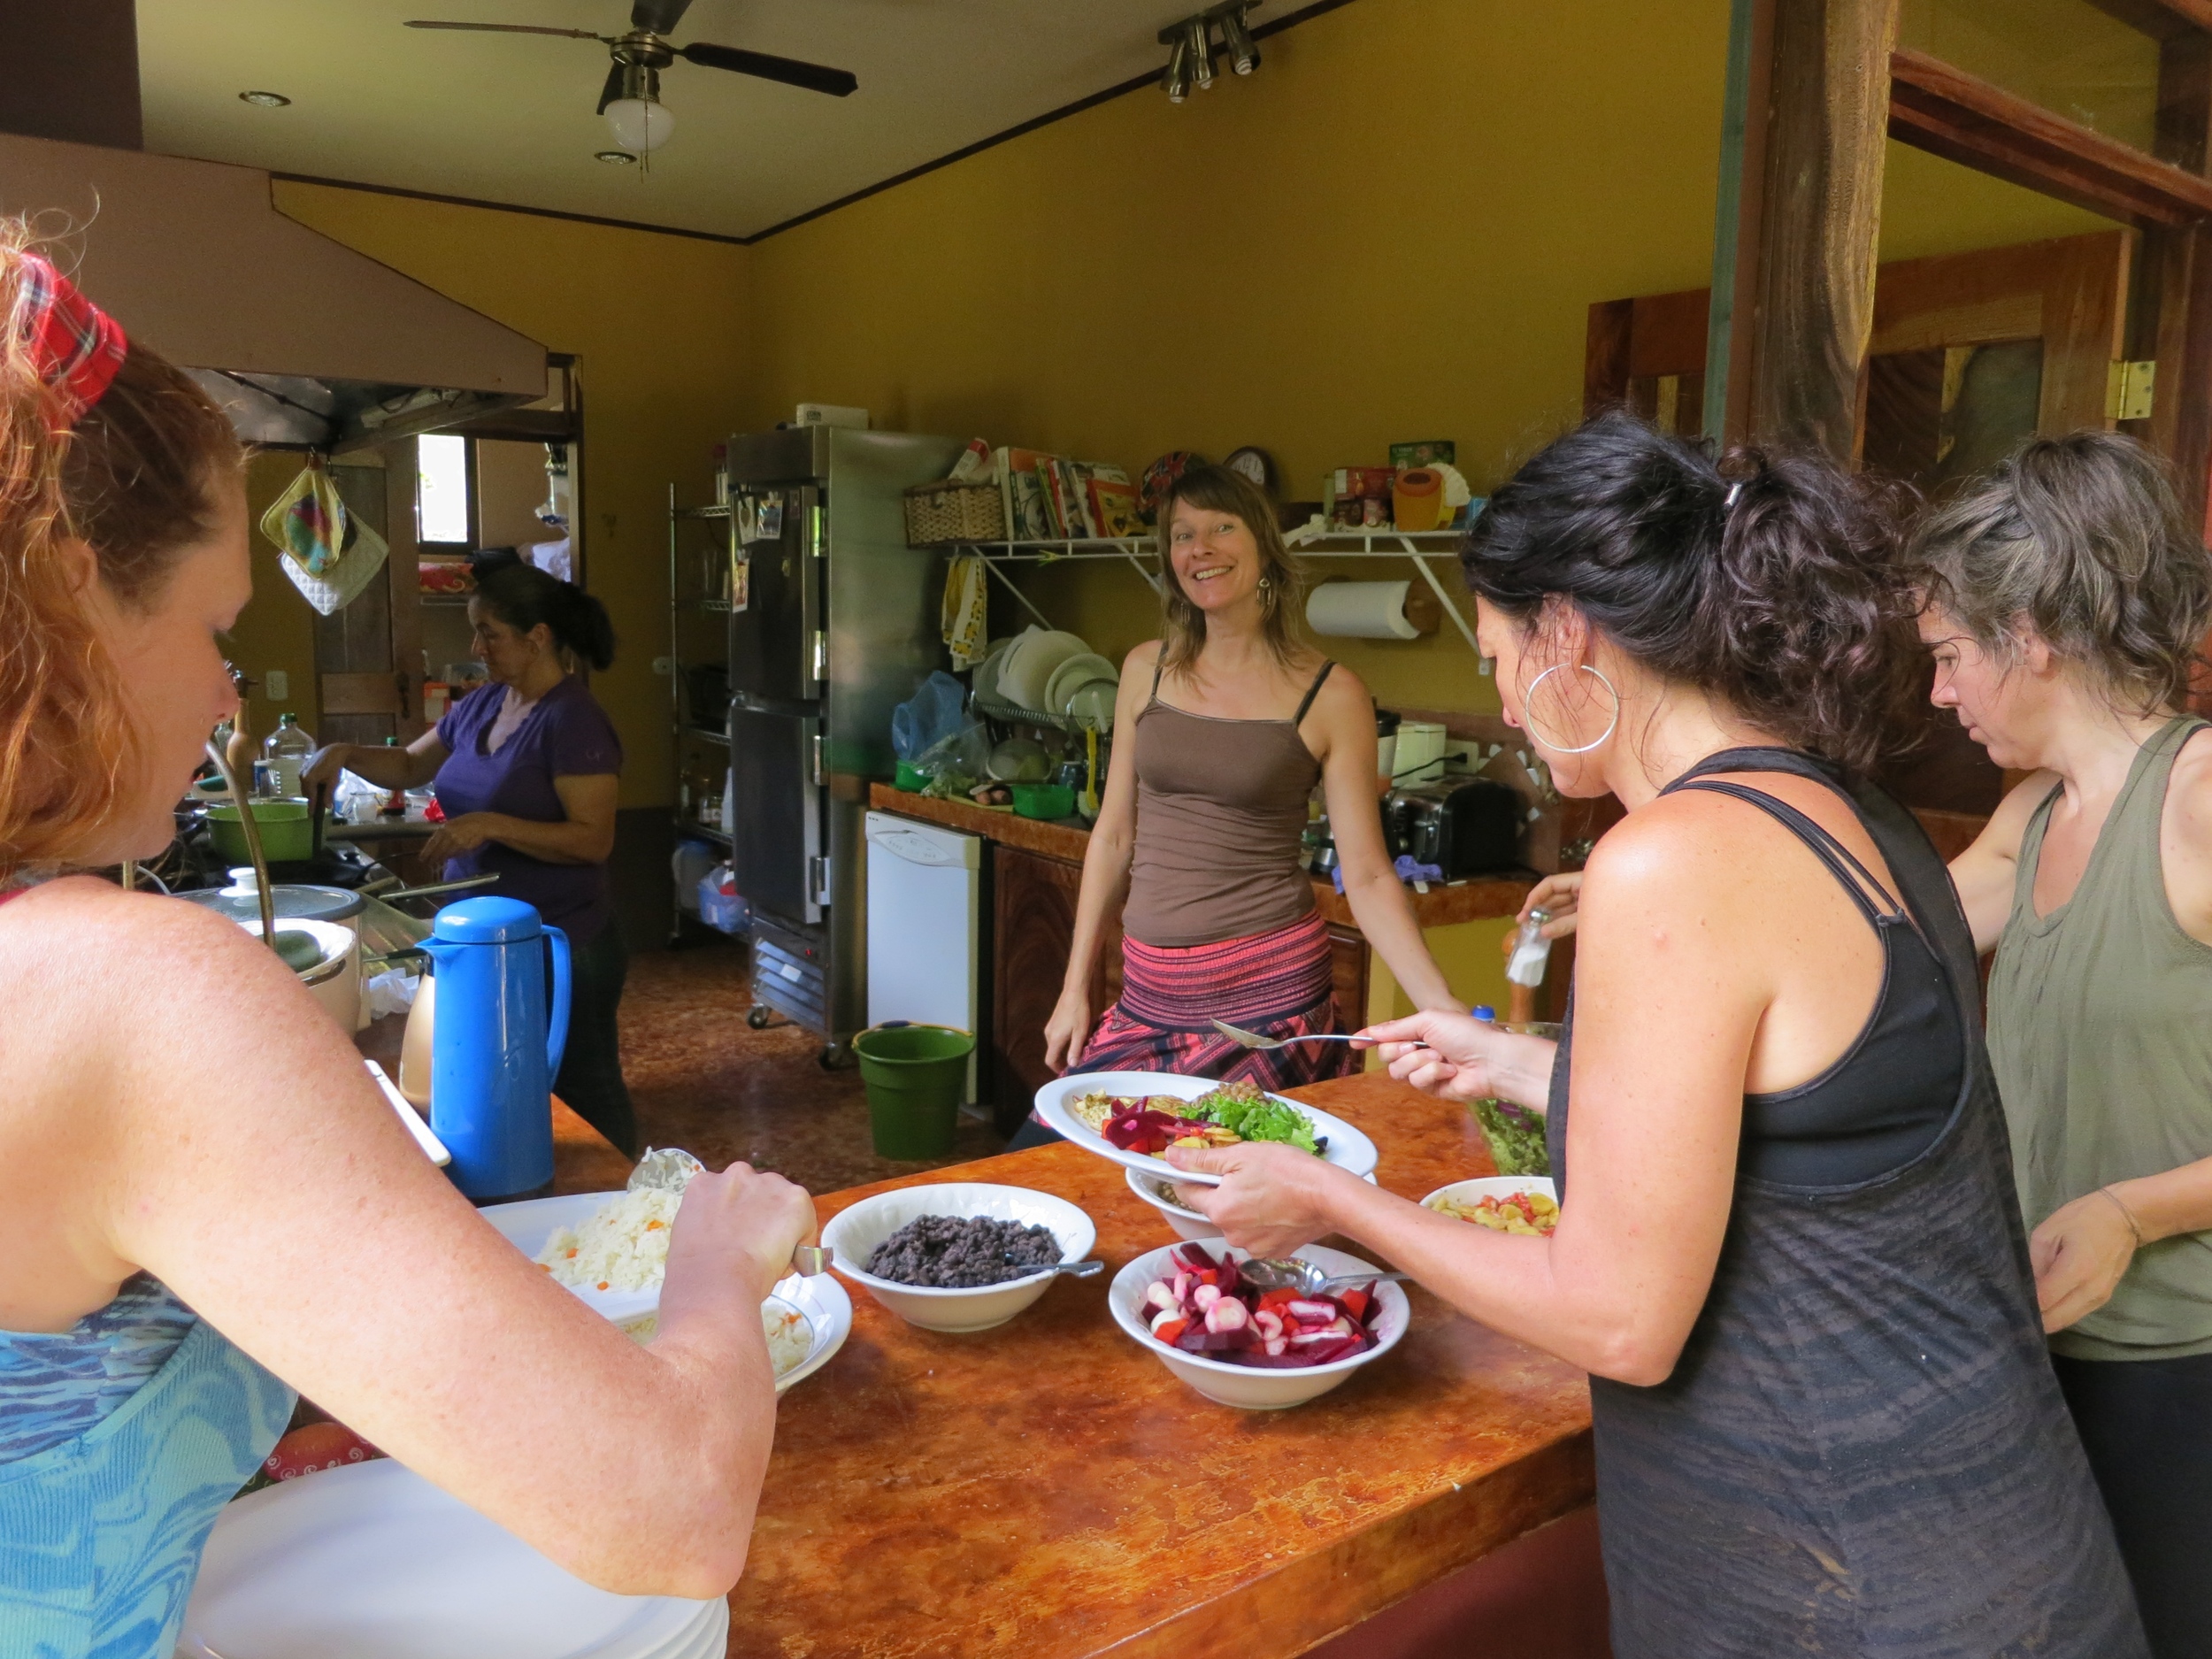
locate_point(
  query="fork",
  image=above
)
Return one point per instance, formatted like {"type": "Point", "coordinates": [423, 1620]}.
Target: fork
{"type": "Point", "coordinates": [1261, 1039]}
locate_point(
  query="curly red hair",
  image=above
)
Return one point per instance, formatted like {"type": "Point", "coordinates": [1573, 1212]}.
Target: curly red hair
{"type": "Point", "coordinates": [134, 478]}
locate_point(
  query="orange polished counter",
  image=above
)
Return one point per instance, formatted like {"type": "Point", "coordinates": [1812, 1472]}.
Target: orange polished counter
{"type": "Point", "coordinates": [1048, 1490]}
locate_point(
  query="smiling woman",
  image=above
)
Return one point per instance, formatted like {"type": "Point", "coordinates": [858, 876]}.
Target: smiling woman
{"type": "Point", "coordinates": [1236, 720]}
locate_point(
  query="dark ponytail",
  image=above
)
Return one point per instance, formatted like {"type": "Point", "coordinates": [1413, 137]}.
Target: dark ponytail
{"type": "Point", "coordinates": [522, 595]}
{"type": "Point", "coordinates": [1767, 580]}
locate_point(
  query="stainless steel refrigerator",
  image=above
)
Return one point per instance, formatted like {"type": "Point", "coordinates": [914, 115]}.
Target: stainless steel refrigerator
{"type": "Point", "coordinates": [833, 622]}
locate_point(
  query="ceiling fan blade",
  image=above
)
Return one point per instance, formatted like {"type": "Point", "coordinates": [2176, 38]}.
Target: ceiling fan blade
{"type": "Point", "coordinates": [613, 89]}
{"type": "Point", "coordinates": [814, 77]}
{"type": "Point", "coordinates": [504, 28]}
{"type": "Point", "coordinates": [657, 16]}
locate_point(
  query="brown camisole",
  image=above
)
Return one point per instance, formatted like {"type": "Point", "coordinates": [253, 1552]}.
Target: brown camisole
{"type": "Point", "coordinates": [1221, 805]}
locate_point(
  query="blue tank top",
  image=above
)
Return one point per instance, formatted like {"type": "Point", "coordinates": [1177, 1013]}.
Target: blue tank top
{"type": "Point", "coordinates": [121, 1441]}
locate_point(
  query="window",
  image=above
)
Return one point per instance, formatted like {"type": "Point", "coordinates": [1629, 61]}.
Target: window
{"type": "Point", "coordinates": [442, 507]}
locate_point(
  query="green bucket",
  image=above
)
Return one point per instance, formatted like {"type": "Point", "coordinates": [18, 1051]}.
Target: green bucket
{"type": "Point", "coordinates": [917, 1077]}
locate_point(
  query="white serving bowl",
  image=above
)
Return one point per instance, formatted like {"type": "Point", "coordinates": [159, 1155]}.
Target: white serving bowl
{"type": "Point", "coordinates": [1188, 1223]}
{"type": "Point", "coordinates": [530, 1223]}
{"type": "Point", "coordinates": [1484, 1187]}
{"type": "Point", "coordinates": [1245, 1387]}
{"type": "Point", "coordinates": [852, 1235]}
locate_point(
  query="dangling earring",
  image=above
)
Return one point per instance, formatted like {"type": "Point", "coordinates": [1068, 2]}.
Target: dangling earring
{"type": "Point", "coordinates": [1528, 712]}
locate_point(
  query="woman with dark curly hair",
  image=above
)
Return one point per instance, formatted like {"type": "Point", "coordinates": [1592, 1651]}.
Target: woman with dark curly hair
{"type": "Point", "coordinates": [2067, 600]}
{"type": "Point", "coordinates": [1787, 1248]}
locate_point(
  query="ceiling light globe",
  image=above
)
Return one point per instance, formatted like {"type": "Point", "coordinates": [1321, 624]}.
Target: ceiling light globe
{"type": "Point", "coordinates": [639, 125]}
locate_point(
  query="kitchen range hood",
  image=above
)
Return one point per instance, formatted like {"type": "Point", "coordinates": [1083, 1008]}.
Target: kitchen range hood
{"type": "Point", "coordinates": [306, 343]}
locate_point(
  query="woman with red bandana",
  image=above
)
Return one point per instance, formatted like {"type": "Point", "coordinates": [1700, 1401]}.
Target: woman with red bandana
{"type": "Point", "coordinates": [180, 1238]}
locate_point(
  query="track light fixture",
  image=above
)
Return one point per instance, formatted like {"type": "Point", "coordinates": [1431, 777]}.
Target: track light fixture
{"type": "Point", "coordinates": [1201, 53]}
{"type": "Point", "coordinates": [1177, 81]}
{"type": "Point", "coordinates": [1244, 51]}
{"type": "Point", "coordinates": [1190, 43]}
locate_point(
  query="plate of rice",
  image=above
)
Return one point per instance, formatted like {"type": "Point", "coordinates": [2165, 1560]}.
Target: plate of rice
{"type": "Point", "coordinates": [610, 1251]}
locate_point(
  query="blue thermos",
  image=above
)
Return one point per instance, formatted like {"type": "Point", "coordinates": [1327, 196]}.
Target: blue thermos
{"type": "Point", "coordinates": [494, 1052]}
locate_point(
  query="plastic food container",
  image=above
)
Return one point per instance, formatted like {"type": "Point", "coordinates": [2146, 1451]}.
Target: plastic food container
{"type": "Point", "coordinates": [1043, 799]}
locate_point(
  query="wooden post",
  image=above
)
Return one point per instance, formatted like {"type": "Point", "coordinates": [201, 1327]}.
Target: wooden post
{"type": "Point", "coordinates": [1744, 115]}
{"type": "Point", "coordinates": [2172, 313]}
{"type": "Point", "coordinates": [1794, 257]}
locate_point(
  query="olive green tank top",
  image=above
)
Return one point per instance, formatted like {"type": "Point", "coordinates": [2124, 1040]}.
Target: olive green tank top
{"type": "Point", "coordinates": [2100, 1034]}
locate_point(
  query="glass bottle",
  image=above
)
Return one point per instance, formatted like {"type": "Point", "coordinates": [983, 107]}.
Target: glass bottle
{"type": "Point", "coordinates": [287, 750]}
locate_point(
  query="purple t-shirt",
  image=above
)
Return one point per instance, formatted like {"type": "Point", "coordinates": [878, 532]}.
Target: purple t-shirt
{"type": "Point", "coordinates": [567, 736]}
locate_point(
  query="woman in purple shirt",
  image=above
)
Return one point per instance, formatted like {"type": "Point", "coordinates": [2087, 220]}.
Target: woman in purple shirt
{"type": "Point", "coordinates": [527, 769]}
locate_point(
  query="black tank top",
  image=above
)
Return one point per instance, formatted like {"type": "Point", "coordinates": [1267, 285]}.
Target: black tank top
{"type": "Point", "coordinates": [1861, 1449]}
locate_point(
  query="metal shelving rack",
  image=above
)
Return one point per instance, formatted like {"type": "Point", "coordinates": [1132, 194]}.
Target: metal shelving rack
{"type": "Point", "coordinates": [1314, 537]}
{"type": "Point", "coordinates": [684, 735]}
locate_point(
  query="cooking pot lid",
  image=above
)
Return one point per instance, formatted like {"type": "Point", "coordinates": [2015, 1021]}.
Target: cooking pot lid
{"type": "Point", "coordinates": [314, 904]}
{"type": "Point", "coordinates": [488, 921]}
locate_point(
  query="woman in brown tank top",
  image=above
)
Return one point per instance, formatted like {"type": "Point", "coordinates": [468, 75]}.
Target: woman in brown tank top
{"type": "Point", "coordinates": [1226, 723]}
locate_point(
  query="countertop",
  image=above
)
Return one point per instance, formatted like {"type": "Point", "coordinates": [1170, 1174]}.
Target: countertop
{"type": "Point", "coordinates": [1047, 1489]}
{"type": "Point", "coordinates": [1479, 899]}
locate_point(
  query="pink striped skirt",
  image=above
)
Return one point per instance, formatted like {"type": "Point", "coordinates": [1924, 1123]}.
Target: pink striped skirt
{"type": "Point", "coordinates": [1278, 983]}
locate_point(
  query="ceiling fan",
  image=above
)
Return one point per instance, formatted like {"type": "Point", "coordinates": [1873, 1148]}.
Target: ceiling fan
{"type": "Point", "coordinates": [630, 99]}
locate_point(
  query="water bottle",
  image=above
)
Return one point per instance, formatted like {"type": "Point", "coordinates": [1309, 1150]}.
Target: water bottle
{"type": "Point", "coordinates": [286, 751]}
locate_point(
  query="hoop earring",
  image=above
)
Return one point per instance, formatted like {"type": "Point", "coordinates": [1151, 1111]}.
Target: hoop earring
{"type": "Point", "coordinates": [1528, 712]}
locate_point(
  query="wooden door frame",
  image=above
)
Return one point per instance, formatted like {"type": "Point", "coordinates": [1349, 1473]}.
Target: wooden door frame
{"type": "Point", "coordinates": [1814, 88]}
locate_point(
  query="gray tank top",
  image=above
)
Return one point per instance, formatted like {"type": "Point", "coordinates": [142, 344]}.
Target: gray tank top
{"type": "Point", "coordinates": [1221, 805]}
{"type": "Point", "coordinates": [2100, 1033]}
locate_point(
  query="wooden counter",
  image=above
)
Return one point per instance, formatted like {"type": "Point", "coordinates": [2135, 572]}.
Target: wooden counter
{"type": "Point", "coordinates": [1479, 898]}
{"type": "Point", "coordinates": [1048, 1489]}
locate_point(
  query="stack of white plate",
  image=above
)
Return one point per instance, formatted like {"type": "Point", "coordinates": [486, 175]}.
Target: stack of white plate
{"type": "Point", "coordinates": [1025, 672]}
{"type": "Point", "coordinates": [1084, 688]}
{"type": "Point", "coordinates": [373, 1562]}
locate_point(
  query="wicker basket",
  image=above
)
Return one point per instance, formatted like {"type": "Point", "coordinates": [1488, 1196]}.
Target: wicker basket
{"type": "Point", "coordinates": [940, 514]}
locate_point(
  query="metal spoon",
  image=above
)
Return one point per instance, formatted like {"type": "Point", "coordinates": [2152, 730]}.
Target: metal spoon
{"type": "Point", "coordinates": [1261, 1039]}
{"type": "Point", "coordinates": [1075, 1269]}
{"type": "Point", "coordinates": [1305, 1278]}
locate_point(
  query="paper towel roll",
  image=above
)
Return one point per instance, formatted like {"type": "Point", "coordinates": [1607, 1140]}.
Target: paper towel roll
{"type": "Point", "coordinates": [1360, 610]}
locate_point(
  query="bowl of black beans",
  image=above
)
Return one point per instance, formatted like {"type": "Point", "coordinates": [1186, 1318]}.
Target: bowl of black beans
{"type": "Point", "coordinates": [960, 1255]}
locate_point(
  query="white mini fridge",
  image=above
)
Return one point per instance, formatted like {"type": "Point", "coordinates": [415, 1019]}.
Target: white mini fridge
{"type": "Point", "coordinates": [924, 927]}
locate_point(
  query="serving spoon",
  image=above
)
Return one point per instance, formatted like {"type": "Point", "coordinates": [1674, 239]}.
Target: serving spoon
{"type": "Point", "coordinates": [1306, 1278]}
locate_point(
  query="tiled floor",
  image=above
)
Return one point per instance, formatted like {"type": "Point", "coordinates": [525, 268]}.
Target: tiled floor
{"type": "Point", "coordinates": [705, 1080]}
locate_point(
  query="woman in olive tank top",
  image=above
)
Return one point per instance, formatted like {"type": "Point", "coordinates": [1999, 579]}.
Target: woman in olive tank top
{"type": "Point", "coordinates": [2068, 597]}
{"type": "Point", "coordinates": [1223, 729]}
{"type": "Point", "coordinates": [1787, 1248]}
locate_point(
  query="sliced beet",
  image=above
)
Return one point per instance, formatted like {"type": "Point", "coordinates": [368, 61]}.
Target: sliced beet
{"type": "Point", "coordinates": [1194, 1259]}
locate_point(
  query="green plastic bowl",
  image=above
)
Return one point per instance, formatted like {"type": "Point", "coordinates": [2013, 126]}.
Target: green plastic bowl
{"type": "Point", "coordinates": [287, 831]}
{"type": "Point", "coordinates": [915, 1076]}
{"type": "Point", "coordinates": [911, 777]}
{"type": "Point", "coordinates": [1043, 799]}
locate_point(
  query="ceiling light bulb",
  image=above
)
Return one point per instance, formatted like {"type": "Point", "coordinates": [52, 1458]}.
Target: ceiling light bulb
{"type": "Point", "coordinates": [1201, 54]}
{"type": "Point", "coordinates": [1178, 79]}
{"type": "Point", "coordinates": [265, 100]}
{"type": "Point", "coordinates": [639, 125]}
{"type": "Point", "coordinates": [1244, 51]}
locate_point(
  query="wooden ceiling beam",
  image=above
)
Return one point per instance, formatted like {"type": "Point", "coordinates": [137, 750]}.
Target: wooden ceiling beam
{"type": "Point", "coordinates": [2160, 19]}
{"type": "Point", "coordinates": [1950, 113]}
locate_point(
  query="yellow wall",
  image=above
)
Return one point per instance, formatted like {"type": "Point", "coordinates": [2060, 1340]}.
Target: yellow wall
{"type": "Point", "coordinates": [658, 325]}
{"type": "Point", "coordinates": [276, 630]}
{"type": "Point", "coordinates": [1394, 230]}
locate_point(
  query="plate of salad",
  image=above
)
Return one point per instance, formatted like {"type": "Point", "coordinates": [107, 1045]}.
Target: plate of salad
{"type": "Point", "coordinates": [1133, 1117]}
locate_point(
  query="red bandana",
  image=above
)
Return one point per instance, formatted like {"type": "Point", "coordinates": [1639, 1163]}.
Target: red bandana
{"type": "Point", "coordinates": [76, 345]}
